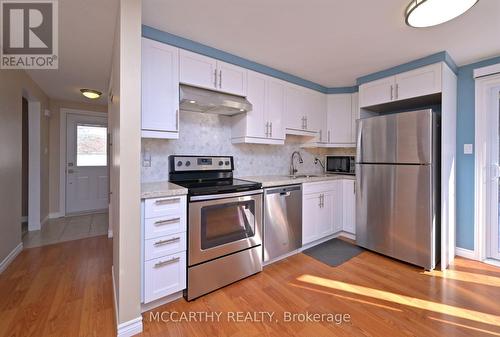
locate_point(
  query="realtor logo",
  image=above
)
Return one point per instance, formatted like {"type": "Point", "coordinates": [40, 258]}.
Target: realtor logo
{"type": "Point", "coordinates": [29, 37]}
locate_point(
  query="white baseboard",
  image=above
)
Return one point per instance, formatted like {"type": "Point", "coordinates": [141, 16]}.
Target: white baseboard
{"type": "Point", "coordinates": [56, 215]}
{"type": "Point", "coordinates": [130, 328]}
{"type": "Point", "coordinates": [162, 301]}
{"type": "Point", "coordinates": [12, 255]}
{"type": "Point", "coordinates": [110, 233]}
{"type": "Point", "coordinates": [467, 253]}
{"type": "Point", "coordinates": [347, 235]}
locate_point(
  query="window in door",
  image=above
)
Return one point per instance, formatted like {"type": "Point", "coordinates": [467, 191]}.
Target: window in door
{"type": "Point", "coordinates": [91, 149]}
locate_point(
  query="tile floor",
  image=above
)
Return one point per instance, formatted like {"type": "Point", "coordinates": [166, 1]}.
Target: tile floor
{"type": "Point", "coordinates": [67, 229]}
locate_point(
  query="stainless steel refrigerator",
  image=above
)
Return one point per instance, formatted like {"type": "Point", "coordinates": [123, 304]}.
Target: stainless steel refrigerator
{"type": "Point", "coordinates": [398, 186]}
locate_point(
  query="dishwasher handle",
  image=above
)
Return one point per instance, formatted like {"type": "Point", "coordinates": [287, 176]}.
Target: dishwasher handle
{"type": "Point", "coordinates": [284, 190]}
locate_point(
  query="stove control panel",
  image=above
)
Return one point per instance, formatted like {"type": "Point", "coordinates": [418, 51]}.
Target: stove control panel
{"type": "Point", "coordinates": [195, 163]}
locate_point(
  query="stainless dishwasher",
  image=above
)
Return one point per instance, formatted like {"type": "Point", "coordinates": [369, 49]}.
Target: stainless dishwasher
{"type": "Point", "coordinates": [282, 220]}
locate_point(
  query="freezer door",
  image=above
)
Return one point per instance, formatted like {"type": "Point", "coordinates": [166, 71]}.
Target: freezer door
{"type": "Point", "coordinates": [395, 213]}
{"type": "Point", "coordinates": [404, 138]}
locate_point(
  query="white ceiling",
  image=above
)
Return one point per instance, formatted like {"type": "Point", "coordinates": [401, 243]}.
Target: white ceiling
{"type": "Point", "coordinates": [86, 32]}
{"type": "Point", "coordinates": [330, 42]}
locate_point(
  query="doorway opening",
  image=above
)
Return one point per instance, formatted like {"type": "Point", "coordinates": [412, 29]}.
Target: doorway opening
{"type": "Point", "coordinates": [25, 167]}
{"type": "Point", "coordinates": [487, 169]}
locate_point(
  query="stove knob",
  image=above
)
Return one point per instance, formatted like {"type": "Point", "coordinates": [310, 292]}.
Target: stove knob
{"type": "Point", "coordinates": [227, 163]}
{"type": "Point", "coordinates": [221, 163]}
{"type": "Point", "coordinates": [179, 163]}
{"type": "Point", "coordinates": [188, 163]}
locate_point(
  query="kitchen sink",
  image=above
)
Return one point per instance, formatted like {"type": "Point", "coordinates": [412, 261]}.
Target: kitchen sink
{"type": "Point", "coordinates": [304, 176]}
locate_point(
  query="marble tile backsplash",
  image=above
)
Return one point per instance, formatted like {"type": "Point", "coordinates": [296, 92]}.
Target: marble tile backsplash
{"type": "Point", "coordinates": [210, 134]}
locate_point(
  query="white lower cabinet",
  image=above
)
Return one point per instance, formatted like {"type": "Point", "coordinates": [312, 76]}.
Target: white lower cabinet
{"type": "Point", "coordinates": [349, 206]}
{"type": "Point", "coordinates": [320, 216]}
{"type": "Point", "coordinates": [164, 247]}
{"type": "Point", "coordinates": [164, 276]}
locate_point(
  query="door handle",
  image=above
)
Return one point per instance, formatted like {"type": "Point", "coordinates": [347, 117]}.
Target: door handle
{"type": "Point", "coordinates": [215, 78]}
{"type": "Point", "coordinates": [267, 129]}
{"type": "Point", "coordinates": [220, 78]}
{"type": "Point", "coordinates": [392, 93]}
{"type": "Point", "coordinates": [397, 91]}
{"type": "Point", "coordinates": [271, 129]}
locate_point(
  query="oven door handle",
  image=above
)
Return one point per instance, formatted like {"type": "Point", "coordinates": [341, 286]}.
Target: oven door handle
{"type": "Point", "coordinates": [225, 195]}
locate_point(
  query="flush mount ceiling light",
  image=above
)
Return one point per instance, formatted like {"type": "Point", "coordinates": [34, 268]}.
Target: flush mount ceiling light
{"type": "Point", "coordinates": [426, 13]}
{"type": "Point", "coordinates": [92, 94]}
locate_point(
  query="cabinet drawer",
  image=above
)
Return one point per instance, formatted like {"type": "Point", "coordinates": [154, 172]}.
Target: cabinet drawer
{"type": "Point", "coordinates": [318, 187]}
{"type": "Point", "coordinates": [164, 276]}
{"type": "Point", "coordinates": [165, 225]}
{"type": "Point", "coordinates": [165, 245]}
{"type": "Point", "coordinates": [165, 206]}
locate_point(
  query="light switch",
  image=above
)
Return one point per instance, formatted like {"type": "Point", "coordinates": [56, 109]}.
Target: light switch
{"type": "Point", "coordinates": [468, 148]}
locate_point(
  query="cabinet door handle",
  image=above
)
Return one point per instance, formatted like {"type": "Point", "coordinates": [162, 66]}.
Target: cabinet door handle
{"type": "Point", "coordinates": [397, 91]}
{"type": "Point", "coordinates": [306, 122]}
{"type": "Point", "coordinates": [164, 242]}
{"type": "Point", "coordinates": [328, 136]}
{"type": "Point", "coordinates": [271, 129]}
{"type": "Point", "coordinates": [167, 201]}
{"type": "Point", "coordinates": [354, 187]}
{"type": "Point", "coordinates": [220, 78]}
{"type": "Point", "coordinates": [163, 263]}
{"type": "Point", "coordinates": [267, 129]}
{"type": "Point", "coordinates": [392, 93]}
{"type": "Point", "coordinates": [165, 222]}
{"type": "Point", "coordinates": [320, 135]}
{"type": "Point", "coordinates": [215, 78]}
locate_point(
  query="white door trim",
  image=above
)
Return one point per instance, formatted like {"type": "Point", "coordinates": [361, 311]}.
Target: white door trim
{"type": "Point", "coordinates": [484, 85]}
{"type": "Point", "coordinates": [34, 164]}
{"type": "Point", "coordinates": [62, 151]}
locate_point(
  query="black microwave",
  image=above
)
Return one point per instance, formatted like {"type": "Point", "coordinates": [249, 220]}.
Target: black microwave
{"type": "Point", "coordinates": [340, 164]}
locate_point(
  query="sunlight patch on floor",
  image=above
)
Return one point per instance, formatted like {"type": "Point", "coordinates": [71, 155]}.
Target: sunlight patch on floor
{"type": "Point", "coordinates": [441, 308]}
{"type": "Point", "coordinates": [465, 277]}
{"type": "Point", "coordinates": [464, 326]}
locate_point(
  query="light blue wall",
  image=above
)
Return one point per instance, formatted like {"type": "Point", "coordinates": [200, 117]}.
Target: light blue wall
{"type": "Point", "coordinates": [465, 162]}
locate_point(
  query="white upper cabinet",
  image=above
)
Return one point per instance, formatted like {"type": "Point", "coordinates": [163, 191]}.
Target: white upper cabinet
{"type": "Point", "coordinates": [315, 110]}
{"type": "Point", "coordinates": [264, 123]}
{"type": "Point", "coordinates": [275, 108]}
{"type": "Point", "coordinates": [339, 119]}
{"type": "Point", "coordinates": [295, 108]}
{"type": "Point", "coordinates": [205, 72]}
{"type": "Point", "coordinates": [415, 83]}
{"type": "Point", "coordinates": [355, 115]}
{"type": "Point", "coordinates": [377, 92]}
{"type": "Point", "coordinates": [160, 90]}
{"type": "Point", "coordinates": [418, 82]}
{"type": "Point", "coordinates": [232, 79]}
{"type": "Point", "coordinates": [198, 70]}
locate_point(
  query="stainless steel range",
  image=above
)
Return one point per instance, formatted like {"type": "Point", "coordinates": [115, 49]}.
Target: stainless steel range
{"type": "Point", "coordinates": [224, 222]}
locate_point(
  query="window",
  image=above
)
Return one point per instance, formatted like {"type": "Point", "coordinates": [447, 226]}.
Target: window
{"type": "Point", "coordinates": [91, 145]}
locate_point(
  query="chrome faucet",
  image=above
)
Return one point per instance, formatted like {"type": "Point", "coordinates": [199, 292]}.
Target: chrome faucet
{"type": "Point", "coordinates": [317, 160]}
{"type": "Point", "coordinates": [293, 169]}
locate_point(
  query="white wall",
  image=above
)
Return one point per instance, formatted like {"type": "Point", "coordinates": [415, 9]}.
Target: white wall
{"type": "Point", "coordinates": [124, 121]}
{"type": "Point", "coordinates": [13, 84]}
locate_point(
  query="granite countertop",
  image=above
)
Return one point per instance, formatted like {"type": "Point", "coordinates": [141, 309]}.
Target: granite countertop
{"type": "Point", "coordinates": [281, 180]}
{"type": "Point", "coordinates": [161, 189]}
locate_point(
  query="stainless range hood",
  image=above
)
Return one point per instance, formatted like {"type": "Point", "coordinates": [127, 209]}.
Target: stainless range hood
{"type": "Point", "coordinates": [203, 100]}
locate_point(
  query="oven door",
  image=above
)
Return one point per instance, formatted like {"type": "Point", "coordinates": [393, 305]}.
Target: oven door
{"type": "Point", "coordinates": [223, 224]}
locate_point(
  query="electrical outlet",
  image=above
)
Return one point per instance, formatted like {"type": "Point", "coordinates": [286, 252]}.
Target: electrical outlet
{"type": "Point", "coordinates": [146, 160]}
{"type": "Point", "coordinates": [468, 149]}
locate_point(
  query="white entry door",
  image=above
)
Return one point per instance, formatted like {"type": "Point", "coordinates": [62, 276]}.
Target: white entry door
{"type": "Point", "coordinates": [493, 186]}
{"type": "Point", "coordinates": [86, 163]}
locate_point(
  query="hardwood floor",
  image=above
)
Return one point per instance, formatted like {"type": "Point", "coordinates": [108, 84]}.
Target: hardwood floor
{"type": "Point", "coordinates": [65, 290]}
